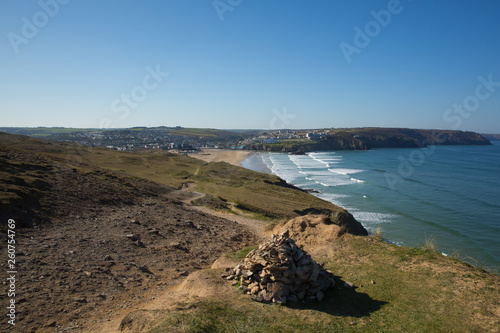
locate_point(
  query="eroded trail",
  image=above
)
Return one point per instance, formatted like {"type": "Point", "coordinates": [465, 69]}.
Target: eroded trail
{"type": "Point", "coordinates": [195, 285]}
{"type": "Point", "coordinates": [254, 225]}
{"type": "Point", "coordinates": [189, 195]}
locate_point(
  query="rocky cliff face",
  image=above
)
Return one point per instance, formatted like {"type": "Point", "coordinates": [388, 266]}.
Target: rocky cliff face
{"type": "Point", "coordinates": [341, 217]}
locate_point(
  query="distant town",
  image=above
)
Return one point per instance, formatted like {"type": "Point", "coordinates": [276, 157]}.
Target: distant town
{"type": "Point", "coordinates": [193, 140]}
{"type": "Point", "coordinates": [167, 138]}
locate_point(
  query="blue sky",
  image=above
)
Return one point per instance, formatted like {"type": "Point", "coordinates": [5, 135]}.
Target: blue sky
{"type": "Point", "coordinates": [251, 64]}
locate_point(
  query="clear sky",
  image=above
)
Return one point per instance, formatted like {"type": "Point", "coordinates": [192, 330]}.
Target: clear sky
{"type": "Point", "coordinates": [251, 63]}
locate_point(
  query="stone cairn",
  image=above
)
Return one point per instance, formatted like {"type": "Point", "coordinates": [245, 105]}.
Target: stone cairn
{"type": "Point", "coordinates": [279, 271]}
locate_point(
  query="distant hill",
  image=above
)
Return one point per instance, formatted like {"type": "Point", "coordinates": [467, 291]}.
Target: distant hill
{"type": "Point", "coordinates": [60, 133]}
{"type": "Point", "coordinates": [492, 137]}
{"type": "Point", "coordinates": [33, 168]}
{"type": "Point", "coordinates": [42, 132]}
{"type": "Point", "coordinates": [369, 138]}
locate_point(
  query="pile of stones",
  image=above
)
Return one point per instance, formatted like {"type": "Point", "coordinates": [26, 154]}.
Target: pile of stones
{"type": "Point", "coordinates": [279, 272]}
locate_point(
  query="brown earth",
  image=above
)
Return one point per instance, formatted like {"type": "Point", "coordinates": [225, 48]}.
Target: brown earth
{"type": "Point", "coordinates": [313, 233]}
{"type": "Point", "coordinates": [92, 246]}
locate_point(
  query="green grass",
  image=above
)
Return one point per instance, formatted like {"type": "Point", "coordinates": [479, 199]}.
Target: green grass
{"type": "Point", "coordinates": [260, 195]}
{"type": "Point", "coordinates": [265, 195]}
{"type": "Point", "coordinates": [414, 291]}
{"type": "Point", "coordinates": [241, 254]}
{"type": "Point", "coordinates": [41, 132]}
{"type": "Point", "coordinates": [195, 132]}
{"type": "Point", "coordinates": [290, 142]}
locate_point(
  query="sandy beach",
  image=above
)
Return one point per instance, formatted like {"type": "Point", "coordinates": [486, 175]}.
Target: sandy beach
{"type": "Point", "coordinates": [234, 157]}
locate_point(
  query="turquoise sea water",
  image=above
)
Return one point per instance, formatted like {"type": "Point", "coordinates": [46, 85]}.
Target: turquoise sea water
{"type": "Point", "coordinates": [450, 193]}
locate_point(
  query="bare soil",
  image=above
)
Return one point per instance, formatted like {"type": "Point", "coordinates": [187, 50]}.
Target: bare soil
{"type": "Point", "coordinates": [93, 246]}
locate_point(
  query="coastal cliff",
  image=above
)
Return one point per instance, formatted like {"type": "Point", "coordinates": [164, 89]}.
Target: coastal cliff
{"type": "Point", "coordinates": [369, 138]}
{"type": "Point", "coordinates": [100, 229]}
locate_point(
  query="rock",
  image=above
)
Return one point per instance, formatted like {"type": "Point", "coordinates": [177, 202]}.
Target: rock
{"type": "Point", "coordinates": [254, 267]}
{"type": "Point", "coordinates": [277, 289]}
{"type": "Point", "coordinates": [131, 237]}
{"type": "Point", "coordinates": [140, 244]}
{"type": "Point", "coordinates": [255, 290]}
{"type": "Point", "coordinates": [280, 300]}
{"type": "Point", "coordinates": [348, 285]}
{"type": "Point", "coordinates": [314, 274]}
{"type": "Point", "coordinates": [144, 269]}
{"type": "Point", "coordinates": [280, 272]}
{"type": "Point", "coordinates": [247, 273]}
{"type": "Point", "coordinates": [51, 323]}
{"type": "Point", "coordinates": [80, 299]}
{"type": "Point", "coordinates": [257, 298]}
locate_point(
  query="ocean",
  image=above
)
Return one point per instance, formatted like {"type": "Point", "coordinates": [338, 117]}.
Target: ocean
{"type": "Point", "coordinates": [447, 193]}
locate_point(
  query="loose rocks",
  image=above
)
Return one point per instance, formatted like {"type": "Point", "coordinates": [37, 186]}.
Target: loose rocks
{"type": "Point", "coordinates": [279, 271]}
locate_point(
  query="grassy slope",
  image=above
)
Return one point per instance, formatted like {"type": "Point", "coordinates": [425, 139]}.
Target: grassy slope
{"type": "Point", "coordinates": [196, 132]}
{"type": "Point", "coordinates": [260, 193]}
{"type": "Point", "coordinates": [264, 195]}
{"type": "Point", "coordinates": [42, 132]}
{"type": "Point", "coordinates": [415, 291]}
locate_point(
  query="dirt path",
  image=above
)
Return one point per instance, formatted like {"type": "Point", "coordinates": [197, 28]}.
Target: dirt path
{"type": "Point", "coordinates": [191, 287]}
{"type": "Point", "coordinates": [191, 195]}
{"type": "Point", "coordinates": [255, 226]}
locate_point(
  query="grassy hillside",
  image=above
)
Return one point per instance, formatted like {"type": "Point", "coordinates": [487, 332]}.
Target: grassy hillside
{"type": "Point", "coordinates": [204, 132]}
{"type": "Point", "coordinates": [261, 195]}
{"type": "Point", "coordinates": [42, 132]}
{"type": "Point", "coordinates": [413, 290]}
{"type": "Point", "coordinates": [396, 289]}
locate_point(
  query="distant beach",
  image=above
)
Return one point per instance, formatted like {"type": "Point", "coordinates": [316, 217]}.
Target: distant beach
{"type": "Point", "coordinates": [234, 157]}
